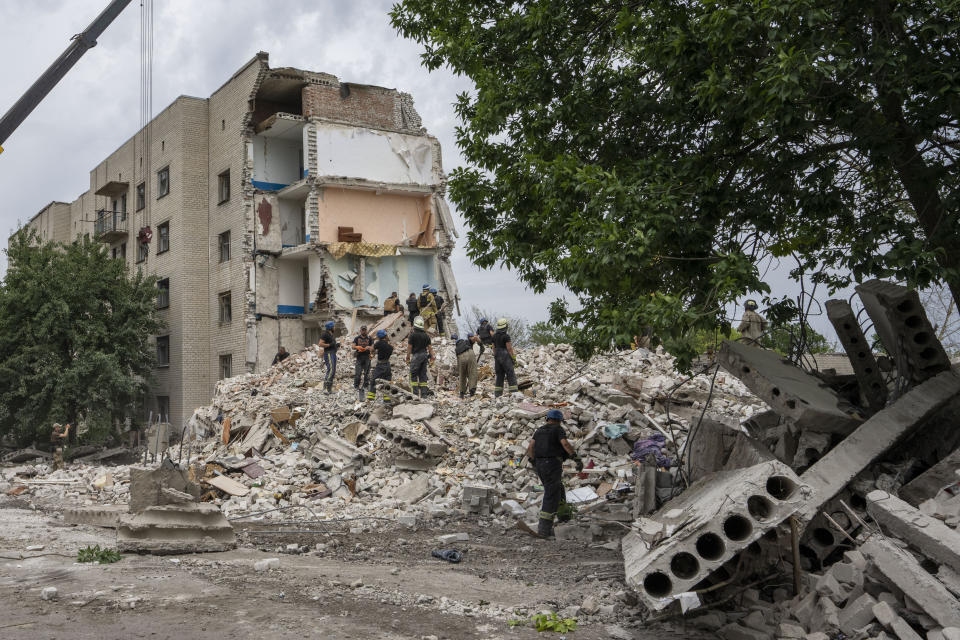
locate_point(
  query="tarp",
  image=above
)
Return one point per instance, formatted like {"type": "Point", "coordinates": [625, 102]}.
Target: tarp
{"type": "Point", "coordinates": [369, 249]}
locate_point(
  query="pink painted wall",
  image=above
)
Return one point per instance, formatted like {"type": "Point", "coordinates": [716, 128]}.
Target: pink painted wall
{"type": "Point", "coordinates": [380, 218]}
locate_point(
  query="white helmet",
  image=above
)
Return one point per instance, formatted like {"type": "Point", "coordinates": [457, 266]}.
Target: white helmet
{"type": "Point", "coordinates": [418, 322]}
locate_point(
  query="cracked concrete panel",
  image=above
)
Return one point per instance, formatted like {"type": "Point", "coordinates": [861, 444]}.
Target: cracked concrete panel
{"type": "Point", "coordinates": [378, 156]}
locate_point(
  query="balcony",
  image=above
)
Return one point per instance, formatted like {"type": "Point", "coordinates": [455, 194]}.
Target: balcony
{"type": "Point", "coordinates": [110, 226]}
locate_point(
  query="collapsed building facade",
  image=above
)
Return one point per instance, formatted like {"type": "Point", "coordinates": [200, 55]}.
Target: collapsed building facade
{"type": "Point", "coordinates": [286, 199]}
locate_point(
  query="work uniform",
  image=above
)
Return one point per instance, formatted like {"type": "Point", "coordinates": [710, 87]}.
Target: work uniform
{"type": "Point", "coordinates": [752, 327]}
{"type": "Point", "coordinates": [419, 359]}
{"type": "Point", "coordinates": [485, 333]}
{"type": "Point", "coordinates": [361, 368]}
{"type": "Point", "coordinates": [466, 366]}
{"type": "Point", "coordinates": [329, 359]}
{"type": "Point", "coordinates": [382, 371]}
{"type": "Point", "coordinates": [428, 310]}
{"type": "Point", "coordinates": [503, 363]}
{"type": "Point", "coordinates": [439, 302]}
{"type": "Point", "coordinates": [548, 457]}
{"type": "Point", "coordinates": [413, 307]}
{"type": "Point", "coordinates": [390, 305]}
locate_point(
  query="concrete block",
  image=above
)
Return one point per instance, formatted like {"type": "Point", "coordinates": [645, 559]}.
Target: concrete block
{"type": "Point", "coordinates": [97, 516]}
{"type": "Point", "coordinates": [903, 571]}
{"type": "Point", "coordinates": [857, 614]}
{"type": "Point", "coordinates": [858, 349]}
{"type": "Point", "coordinates": [147, 485]}
{"type": "Point", "coordinates": [403, 433]}
{"type": "Point", "coordinates": [818, 635]}
{"type": "Point", "coordinates": [734, 631]}
{"type": "Point", "coordinates": [709, 449]}
{"type": "Point", "coordinates": [266, 564]}
{"type": "Point", "coordinates": [478, 498]}
{"type": "Point", "coordinates": [787, 630]}
{"type": "Point", "coordinates": [928, 484]}
{"type": "Point", "coordinates": [931, 536]}
{"type": "Point", "coordinates": [450, 538]}
{"type": "Point", "coordinates": [951, 633]}
{"type": "Point", "coordinates": [906, 333]}
{"type": "Point", "coordinates": [829, 587]}
{"type": "Point", "coordinates": [413, 411]}
{"type": "Point", "coordinates": [415, 490]}
{"type": "Point", "coordinates": [789, 390]}
{"type": "Point", "coordinates": [829, 475]}
{"type": "Point", "coordinates": [49, 593]}
{"type": "Point", "coordinates": [182, 528]}
{"type": "Point", "coordinates": [695, 533]}
{"type": "Point", "coordinates": [847, 573]}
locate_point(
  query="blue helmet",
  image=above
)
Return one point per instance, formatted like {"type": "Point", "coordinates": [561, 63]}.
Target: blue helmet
{"type": "Point", "coordinates": [555, 414]}
{"type": "Point", "coordinates": [330, 324]}
{"type": "Point", "coordinates": [483, 321]}
{"type": "Point", "coordinates": [381, 333]}
{"type": "Point", "coordinates": [426, 286]}
{"type": "Point", "coordinates": [470, 334]}
{"type": "Point", "coordinates": [433, 290]}
{"type": "Point", "coordinates": [454, 337]}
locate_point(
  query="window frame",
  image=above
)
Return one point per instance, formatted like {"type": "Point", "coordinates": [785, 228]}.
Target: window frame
{"type": "Point", "coordinates": [164, 340]}
{"type": "Point", "coordinates": [142, 196]}
{"type": "Point", "coordinates": [160, 190]}
{"type": "Point", "coordinates": [166, 288]}
{"type": "Point", "coordinates": [223, 185]}
{"type": "Point", "coordinates": [221, 245]}
{"type": "Point", "coordinates": [161, 401]}
{"type": "Point", "coordinates": [225, 296]}
{"type": "Point", "coordinates": [226, 359]}
{"type": "Point", "coordinates": [143, 251]}
{"type": "Point", "coordinates": [163, 239]}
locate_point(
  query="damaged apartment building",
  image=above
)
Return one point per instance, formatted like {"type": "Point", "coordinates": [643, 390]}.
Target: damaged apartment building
{"type": "Point", "coordinates": [286, 199]}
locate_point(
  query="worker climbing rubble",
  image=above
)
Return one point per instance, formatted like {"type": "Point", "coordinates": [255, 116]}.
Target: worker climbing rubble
{"type": "Point", "coordinates": [466, 363]}
{"type": "Point", "coordinates": [330, 346]}
{"type": "Point", "coordinates": [428, 308]}
{"type": "Point", "coordinates": [547, 450]}
{"type": "Point", "coordinates": [505, 360]}
{"type": "Point", "coordinates": [384, 350]}
{"type": "Point", "coordinates": [363, 347]}
{"type": "Point", "coordinates": [752, 325]}
{"type": "Point", "coordinates": [419, 355]}
{"type": "Point", "coordinates": [485, 334]}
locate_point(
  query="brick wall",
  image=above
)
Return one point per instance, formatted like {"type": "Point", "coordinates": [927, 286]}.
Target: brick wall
{"type": "Point", "coordinates": [369, 106]}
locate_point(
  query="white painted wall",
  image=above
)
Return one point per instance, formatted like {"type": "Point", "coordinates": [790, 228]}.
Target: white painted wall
{"type": "Point", "coordinates": [290, 282]}
{"type": "Point", "coordinates": [276, 160]}
{"type": "Point", "coordinates": [291, 222]}
{"type": "Point", "coordinates": [379, 156]}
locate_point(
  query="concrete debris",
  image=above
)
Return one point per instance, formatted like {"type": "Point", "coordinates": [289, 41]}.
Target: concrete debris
{"type": "Point", "coordinates": [49, 593]}
{"type": "Point", "coordinates": [180, 528]}
{"type": "Point", "coordinates": [935, 539]}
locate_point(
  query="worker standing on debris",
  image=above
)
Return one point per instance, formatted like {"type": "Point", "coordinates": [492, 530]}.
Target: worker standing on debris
{"type": "Point", "coordinates": [466, 363]}
{"type": "Point", "coordinates": [504, 359]}
{"type": "Point", "coordinates": [752, 325]}
{"type": "Point", "coordinates": [485, 335]}
{"type": "Point", "coordinates": [57, 438]}
{"type": "Point", "coordinates": [413, 307]}
{"type": "Point", "coordinates": [382, 371]}
{"type": "Point", "coordinates": [438, 300]}
{"type": "Point", "coordinates": [329, 344]}
{"type": "Point", "coordinates": [419, 354]}
{"type": "Point", "coordinates": [547, 450]}
{"type": "Point", "coordinates": [281, 356]}
{"type": "Point", "coordinates": [392, 304]}
{"type": "Point", "coordinates": [428, 308]}
{"type": "Point", "coordinates": [363, 347]}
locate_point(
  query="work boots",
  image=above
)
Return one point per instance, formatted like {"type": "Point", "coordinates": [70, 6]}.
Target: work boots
{"type": "Point", "coordinates": [545, 528]}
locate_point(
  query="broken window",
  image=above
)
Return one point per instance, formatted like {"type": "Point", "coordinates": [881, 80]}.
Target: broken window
{"type": "Point", "coordinates": [163, 238]}
{"type": "Point", "coordinates": [142, 250]}
{"type": "Point", "coordinates": [141, 195]}
{"type": "Point", "coordinates": [226, 307]}
{"type": "Point", "coordinates": [163, 408]}
{"type": "Point", "coordinates": [163, 351]}
{"type": "Point", "coordinates": [163, 293]}
{"type": "Point", "coordinates": [226, 366]}
{"type": "Point", "coordinates": [224, 244]}
{"type": "Point", "coordinates": [223, 186]}
{"type": "Point", "coordinates": [163, 182]}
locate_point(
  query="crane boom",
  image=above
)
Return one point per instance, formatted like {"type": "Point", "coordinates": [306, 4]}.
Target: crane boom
{"type": "Point", "coordinates": [55, 72]}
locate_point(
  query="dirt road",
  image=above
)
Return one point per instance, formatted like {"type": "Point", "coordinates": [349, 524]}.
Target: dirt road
{"type": "Point", "coordinates": [371, 582]}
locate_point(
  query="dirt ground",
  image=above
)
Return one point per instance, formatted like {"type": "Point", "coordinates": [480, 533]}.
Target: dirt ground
{"type": "Point", "coordinates": [368, 582]}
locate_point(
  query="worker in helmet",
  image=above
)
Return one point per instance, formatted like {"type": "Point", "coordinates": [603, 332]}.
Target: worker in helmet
{"type": "Point", "coordinates": [384, 350]}
{"type": "Point", "coordinates": [57, 437]}
{"type": "Point", "coordinates": [547, 450]}
{"type": "Point", "coordinates": [504, 359]}
{"type": "Point", "coordinates": [428, 308]}
{"type": "Point", "coordinates": [752, 325]}
{"type": "Point", "coordinates": [466, 363]}
{"type": "Point", "coordinates": [330, 346]}
{"type": "Point", "coordinates": [438, 301]}
{"type": "Point", "coordinates": [363, 347]}
{"type": "Point", "coordinates": [485, 334]}
{"type": "Point", "coordinates": [419, 355]}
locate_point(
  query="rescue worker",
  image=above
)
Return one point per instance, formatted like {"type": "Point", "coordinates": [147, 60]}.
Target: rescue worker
{"type": "Point", "coordinates": [384, 350]}
{"type": "Point", "coordinates": [466, 363]}
{"type": "Point", "coordinates": [547, 450]}
{"type": "Point", "coordinates": [413, 307]}
{"type": "Point", "coordinates": [752, 325]}
{"type": "Point", "coordinates": [428, 308]}
{"type": "Point", "coordinates": [392, 304]}
{"type": "Point", "coordinates": [57, 438]}
{"type": "Point", "coordinates": [330, 346]}
{"type": "Point", "coordinates": [281, 356]}
{"type": "Point", "coordinates": [438, 300]}
{"type": "Point", "coordinates": [363, 347]}
{"type": "Point", "coordinates": [485, 334]}
{"type": "Point", "coordinates": [419, 355]}
{"type": "Point", "coordinates": [504, 360]}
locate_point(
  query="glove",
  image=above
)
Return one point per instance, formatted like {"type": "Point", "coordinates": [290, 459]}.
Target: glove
{"type": "Point", "coordinates": [577, 461]}
{"type": "Point", "coordinates": [514, 358]}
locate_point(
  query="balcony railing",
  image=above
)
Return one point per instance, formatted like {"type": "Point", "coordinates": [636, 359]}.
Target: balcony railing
{"type": "Point", "coordinates": [110, 224]}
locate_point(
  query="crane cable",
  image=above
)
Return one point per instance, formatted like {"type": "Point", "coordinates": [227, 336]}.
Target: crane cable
{"type": "Point", "coordinates": [146, 103]}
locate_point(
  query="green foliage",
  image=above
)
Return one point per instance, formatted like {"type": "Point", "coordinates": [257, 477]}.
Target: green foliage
{"type": "Point", "coordinates": [705, 340]}
{"type": "Point", "coordinates": [649, 155]}
{"type": "Point", "coordinates": [516, 325]}
{"type": "Point", "coordinates": [788, 339]}
{"type": "Point", "coordinates": [74, 337]}
{"type": "Point", "coordinates": [98, 555]}
{"type": "Point", "coordinates": [553, 622]}
{"type": "Point", "coordinates": [566, 510]}
{"type": "Point", "coordinates": [544, 333]}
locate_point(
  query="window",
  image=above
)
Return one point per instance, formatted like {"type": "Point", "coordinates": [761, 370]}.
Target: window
{"type": "Point", "coordinates": [224, 243]}
{"type": "Point", "coordinates": [226, 307]}
{"type": "Point", "coordinates": [163, 293]}
{"type": "Point", "coordinates": [163, 182]}
{"type": "Point", "coordinates": [141, 195]}
{"type": "Point", "coordinates": [163, 238]}
{"type": "Point", "coordinates": [223, 186]}
{"type": "Point", "coordinates": [115, 253]}
{"type": "Point", "coordinates": [123, 251]}
{"type": "Point", "coordinates": [142, 250]}
{"type": "Point", "coordinates": [163, 408]}
{"type": "Point", "coordinates": [163, 351]}
{"type": "Point", "coordinates": [226, 366]}
{"type": "Point", "coordinates": [311, 335]}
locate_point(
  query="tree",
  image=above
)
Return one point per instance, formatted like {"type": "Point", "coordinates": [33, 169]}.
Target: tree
{"type": "Point", "coordinates": [942, 312]}
{"type": "Point", "coordinates": [74, 337]}
{"type": "Point", "coordinates": [517, 325]}
{"type": "Point", "coordinates": [648, 155]}
{"type": "Point", "coordinates": [544, 333]}
{"type": "Point", "coordinates": [789, 340]}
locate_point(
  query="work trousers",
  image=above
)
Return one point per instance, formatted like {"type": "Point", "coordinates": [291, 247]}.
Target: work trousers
{"type": "Point", "coordinates": [418, 373]}
{"type": "Point", "coordinates": [467, 372]}
{"type": "Point", "coordinates": [361, 369]}
{"type": "Point", "coordinates": [550, 471]}
{"type": "Point", "coordinates": [503, 368]}
{"type": "Point", "coordinates": [380, 372]}
{"type": "Point", "coordinates": [413, 314]}
{"type": "Point", "coordinates": [429, 320]}
{"type": "Point", "coordinates": [330, 369]}
{"type": "Point", "coordinates": [440, 322]}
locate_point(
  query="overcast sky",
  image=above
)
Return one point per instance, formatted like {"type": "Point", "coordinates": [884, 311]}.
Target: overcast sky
{"type": "Point", "coordinates": [198, 45]}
